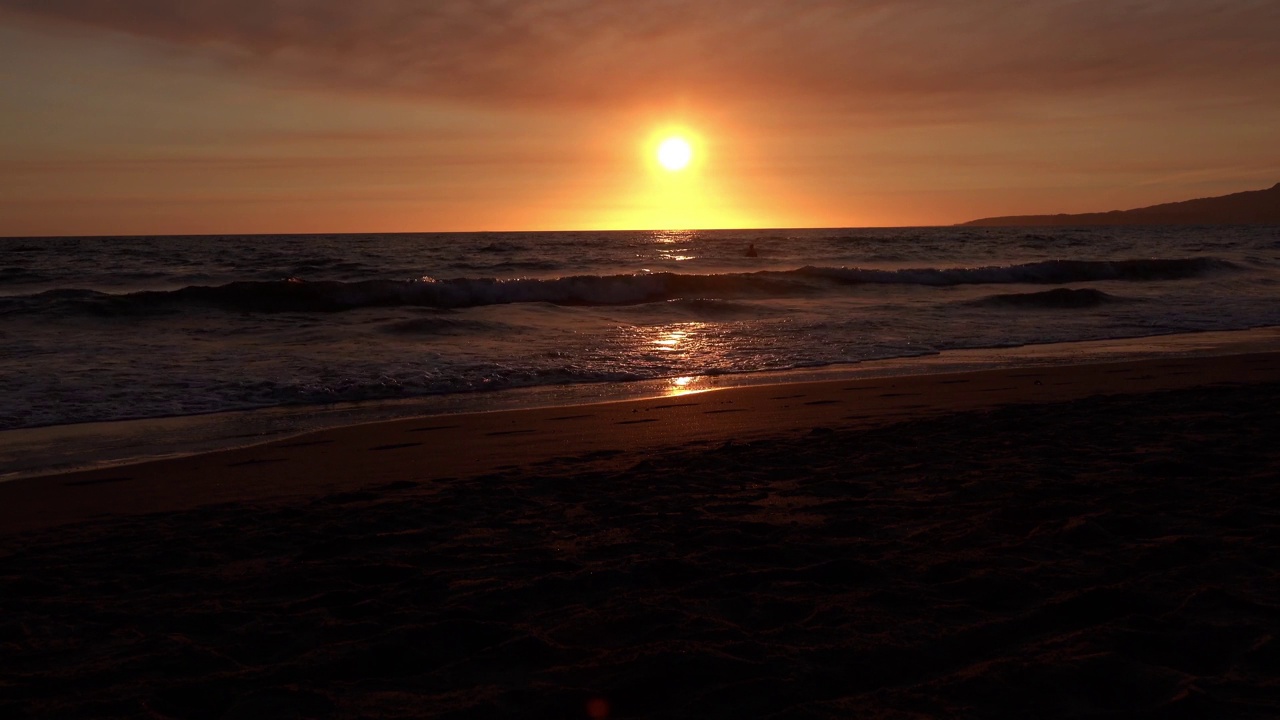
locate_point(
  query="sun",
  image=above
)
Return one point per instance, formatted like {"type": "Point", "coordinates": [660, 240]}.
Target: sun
{"type": "Point", "coordinates": [674, 153]}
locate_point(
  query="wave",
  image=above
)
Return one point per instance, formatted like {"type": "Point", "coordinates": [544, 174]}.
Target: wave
{"type": "Point", "coordinates": [1049, 272]}
{"type": "Point", "coordinates": [439, 326]}
{"type": "Point", "coordinates": [15, 274]}
{"type": "Point", "coordinates": [1058, 298]}
{"type": "Point", "coordinates": [591, 290]}
{"type": "Point", "coordinates": [711, 309]}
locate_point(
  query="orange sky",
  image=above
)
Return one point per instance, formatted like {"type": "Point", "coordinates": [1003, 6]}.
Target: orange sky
{"type": "Point", "coordinates": [235, 116]}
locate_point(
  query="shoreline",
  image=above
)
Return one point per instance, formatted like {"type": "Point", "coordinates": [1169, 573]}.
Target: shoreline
{"type": "Point", "coordinates": [103, 445]}
{"type": "Point", "coordinates": [1057, 542]}
{"type": "Point", "coordinates": [421, 449]}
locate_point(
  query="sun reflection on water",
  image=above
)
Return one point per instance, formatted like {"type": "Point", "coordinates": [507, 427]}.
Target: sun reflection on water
{"type": "Point", "coordinates": [686, 385]}
{"type": "Point", "coordinates": [674, 245]}
{"type": "Point", "coordinates": [670, 341]}
{"type": "Point", "coordinates": [681, 346]}
{"type": "Point", "coordinates": [670, 237]}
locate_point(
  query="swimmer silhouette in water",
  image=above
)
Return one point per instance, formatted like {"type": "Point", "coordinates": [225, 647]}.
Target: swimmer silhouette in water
{"type": "Point", "coordinates": [751, 251]}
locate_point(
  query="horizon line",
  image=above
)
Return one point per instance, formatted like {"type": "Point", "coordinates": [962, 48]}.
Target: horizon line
{"type": "Point", "coordinates": [468, 232]}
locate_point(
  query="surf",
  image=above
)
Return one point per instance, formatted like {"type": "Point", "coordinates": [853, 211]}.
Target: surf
{"type": "Point", "coordinates": [332, 296]}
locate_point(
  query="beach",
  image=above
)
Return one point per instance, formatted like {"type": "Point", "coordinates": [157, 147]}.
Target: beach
{"type": "Point", "coordinates": [607, 360]}
{"type": "Point", "coordinates": [1092, 540]}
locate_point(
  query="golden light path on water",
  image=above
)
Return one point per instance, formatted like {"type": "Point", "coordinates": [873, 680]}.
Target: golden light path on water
{"type": "Point", "coordinates": [675, 245]}
{"type": "Point", "coordinates": [683, 345]}
{"type": "Point", "coordinates": [682, 339]}
{"type": "Point", "coordinates": [685, 386]}
{"type": "Point", "coordinates": [670, 342]}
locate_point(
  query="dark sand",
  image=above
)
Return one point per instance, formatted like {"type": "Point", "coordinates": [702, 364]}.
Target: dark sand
{"type": "Point", "coordinates": [1109, 547]}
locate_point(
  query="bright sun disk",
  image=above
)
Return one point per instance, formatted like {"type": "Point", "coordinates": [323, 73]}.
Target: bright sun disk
{"type": "Point", "coordinates": [675, 153]}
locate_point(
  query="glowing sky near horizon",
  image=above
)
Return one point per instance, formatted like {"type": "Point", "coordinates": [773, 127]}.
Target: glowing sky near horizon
{"type": "Point", "coordinates": [229, 116]}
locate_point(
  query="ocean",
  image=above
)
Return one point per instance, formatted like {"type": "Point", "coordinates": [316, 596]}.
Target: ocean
{"type": "Point", "coordinates": [126, 347]}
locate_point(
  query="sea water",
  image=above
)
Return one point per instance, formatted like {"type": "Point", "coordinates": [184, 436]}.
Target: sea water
{"type": "Point", "coordinates": [320, 329]}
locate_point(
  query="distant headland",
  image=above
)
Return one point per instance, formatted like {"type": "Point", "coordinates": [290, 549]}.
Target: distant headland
{"type": "Point", "coordinates": [1255, 207]}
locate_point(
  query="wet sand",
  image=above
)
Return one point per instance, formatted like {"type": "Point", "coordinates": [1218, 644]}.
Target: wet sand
{"type": "Point", "coordinates": [1077, 541]}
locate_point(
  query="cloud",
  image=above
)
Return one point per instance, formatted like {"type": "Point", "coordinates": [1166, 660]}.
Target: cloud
{"type": "Point", "coordinates": [850, 55]}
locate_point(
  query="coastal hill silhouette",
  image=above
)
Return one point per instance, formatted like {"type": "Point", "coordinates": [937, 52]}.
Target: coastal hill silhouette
{"type": "Point", "coordinates": [1255, 207]}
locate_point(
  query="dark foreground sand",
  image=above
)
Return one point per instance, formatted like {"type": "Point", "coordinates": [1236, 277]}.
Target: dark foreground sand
{"type": "Point", "coordinates": [1110, 555]}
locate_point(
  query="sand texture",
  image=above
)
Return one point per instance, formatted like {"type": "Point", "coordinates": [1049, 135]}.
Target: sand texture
{"type": "Point", "coordinates": [1107, 555]}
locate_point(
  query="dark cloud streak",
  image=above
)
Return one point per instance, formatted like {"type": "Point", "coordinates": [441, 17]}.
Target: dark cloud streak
{"type": "Point", "coordinates": [903, 54]}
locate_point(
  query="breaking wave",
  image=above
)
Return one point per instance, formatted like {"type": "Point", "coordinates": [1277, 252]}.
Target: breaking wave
{"type": "Point", "coordinates": [1058, 298]}
{"type": "Point", "coordinates": [593, 290]}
